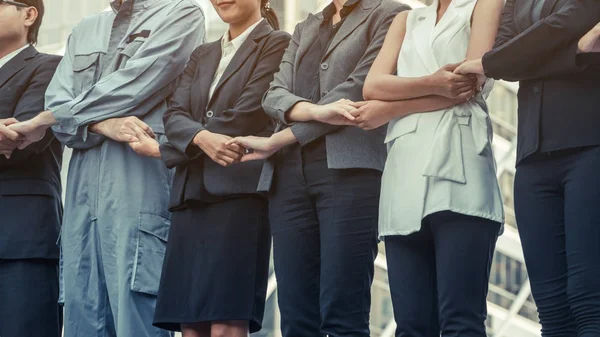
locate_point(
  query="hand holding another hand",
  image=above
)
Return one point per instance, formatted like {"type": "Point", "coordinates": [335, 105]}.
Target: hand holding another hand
{"type": "Point", "coordinates": [145, 145]}
{"type": "Point", "coordinates": [337, 113]}
{"type": "Point", "coordinates": [258, 147]}
{"type": "Point", "coordinates": [452, 83]}
{"type": "Point", "coordinates": [371, 115]}
{"type": "Point", "coordinates": [216, 146]}
{"type": "Point", "coordinates": [9, 139]}
{"type": "Point", "coordinates": [122, 129]}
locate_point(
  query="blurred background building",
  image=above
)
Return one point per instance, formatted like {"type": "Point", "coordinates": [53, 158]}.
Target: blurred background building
{"type": "Point", "coordinates": [512, 312]}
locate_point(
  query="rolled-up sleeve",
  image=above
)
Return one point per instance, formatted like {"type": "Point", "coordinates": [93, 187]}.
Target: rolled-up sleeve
{"type": "Point", "coordinates": [146, 80]}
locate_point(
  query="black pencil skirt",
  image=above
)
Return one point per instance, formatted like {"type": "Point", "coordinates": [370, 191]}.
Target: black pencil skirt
{"type": "Point", "coordinates": [216, 266]}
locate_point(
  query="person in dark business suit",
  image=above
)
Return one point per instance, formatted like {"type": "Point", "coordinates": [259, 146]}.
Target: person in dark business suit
{"type": "Point", "coordinates": [216, 267]}
{"type": "Point", "coordinates": [324, 197]}
{"type": "Point", "coordinates": [557, 186]}
{"type": "Point", "coordinates": [30, 189]}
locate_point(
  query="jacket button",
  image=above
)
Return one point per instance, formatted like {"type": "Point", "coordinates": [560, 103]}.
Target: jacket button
{"type": "Point", "coordinates": [324, 66]}
{"type": "Point", "coordinates": [209, 114]}
{"type": "Point", "coordinates": [536, 90]}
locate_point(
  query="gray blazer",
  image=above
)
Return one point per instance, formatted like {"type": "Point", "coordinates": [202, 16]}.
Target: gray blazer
{"type": "Point", "coordinates": [343, 71]}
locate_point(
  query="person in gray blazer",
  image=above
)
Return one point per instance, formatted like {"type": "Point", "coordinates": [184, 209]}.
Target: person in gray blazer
{"type": "Point", "coordinates": [324, 183]}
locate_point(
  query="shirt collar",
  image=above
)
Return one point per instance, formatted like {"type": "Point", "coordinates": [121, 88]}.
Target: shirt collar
{"type": "Point", "coordinates": [116, 4]}
{"type": "Point", "coordinates": [7, 58]}
{"type": "Point", "coordinates": [330, 10]}
{"type": "Point", "coordinates": [238, 41]}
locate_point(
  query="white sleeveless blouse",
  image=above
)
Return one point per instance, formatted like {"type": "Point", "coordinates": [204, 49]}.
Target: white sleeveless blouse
{"type": "Point", "coordinates": [441, 160]}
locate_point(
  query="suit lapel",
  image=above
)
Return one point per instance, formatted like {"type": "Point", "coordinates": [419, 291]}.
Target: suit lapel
{"type": "Point", "coordinates": [548, 8]}
{"type": "Point", "coordinates": [353, 21]}
{"type": "Point", "coordinates": [16, 64]}
{"type": "Point", "coordinates": [242, 55]}
{"type": "Point", "coordinates": [310, 33]}
{"type": "Point", "coordinates": [208, 63]}
{"type": "Point", "coordinates": [523, 12]}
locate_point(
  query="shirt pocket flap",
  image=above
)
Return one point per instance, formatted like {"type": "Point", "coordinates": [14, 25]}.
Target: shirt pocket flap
{"type": "Point", "coordinates": [82, 62]}
{"type": "Point", "coordinates": [132, 48]}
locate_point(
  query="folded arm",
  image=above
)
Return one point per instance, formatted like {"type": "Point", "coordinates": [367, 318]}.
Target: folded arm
{"type": "Point", "coordinates": [352, 87]}
{"type": "Point", "coordinates": [548, 48]}
{"type": "Point", "coordinates": [145, 81]}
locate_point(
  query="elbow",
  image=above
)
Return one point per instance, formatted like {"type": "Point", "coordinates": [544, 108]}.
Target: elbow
{"type": "Point", "coordinates": [369, 91]}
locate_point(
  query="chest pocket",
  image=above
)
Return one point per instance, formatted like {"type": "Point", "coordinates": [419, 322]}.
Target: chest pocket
{"type": "Point", "coordinates": [86, 71]}
{"type": "Point", "coordinates": [129, 50]}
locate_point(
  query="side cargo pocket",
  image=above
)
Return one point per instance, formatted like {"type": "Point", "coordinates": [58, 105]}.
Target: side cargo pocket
{"type": "Point", "coordinates": [150, 250]}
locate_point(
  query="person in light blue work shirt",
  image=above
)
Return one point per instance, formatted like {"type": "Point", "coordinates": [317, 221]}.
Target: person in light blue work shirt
{"type": "Point", "coordinates": [106, 101]}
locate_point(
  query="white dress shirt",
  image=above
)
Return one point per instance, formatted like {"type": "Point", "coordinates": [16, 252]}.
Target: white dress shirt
{"type": "Point", "coordinates": [10, 56]}
{"type": "Point", "coordinates": [228, 50]}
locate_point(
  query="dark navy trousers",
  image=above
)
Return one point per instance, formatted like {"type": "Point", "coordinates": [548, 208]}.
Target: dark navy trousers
{"type": "Point", "coordinates": [324, 226]}
{"type": "Point", "coordinates": [439, 276]}
{"type": "Point", "coordinates": [557, 204]}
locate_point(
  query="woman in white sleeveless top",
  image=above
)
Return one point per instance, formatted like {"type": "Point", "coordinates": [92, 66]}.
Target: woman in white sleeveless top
{"type": "Point", "coordinates": [441, 208]}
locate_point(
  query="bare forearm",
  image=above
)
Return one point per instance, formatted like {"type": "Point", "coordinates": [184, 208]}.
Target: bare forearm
{"type": "Point", "coordinates": [422, 104]}
{"type": "Point", "coordinates": [301, 112]}
{"type": "Point", "coordinates": [395, 88]}
{"type": "Point", "coordinates": [283, 138]}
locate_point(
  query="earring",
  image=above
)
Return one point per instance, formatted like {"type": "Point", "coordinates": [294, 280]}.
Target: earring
{"type": "Point", "coordinates": [268, 6]}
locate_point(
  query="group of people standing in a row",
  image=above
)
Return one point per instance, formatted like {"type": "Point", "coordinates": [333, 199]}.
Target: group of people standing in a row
{"type": "Point", "coordinates": [367, 123]}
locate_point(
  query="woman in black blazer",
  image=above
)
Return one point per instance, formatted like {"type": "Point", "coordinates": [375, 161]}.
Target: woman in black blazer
{"type": "Point", "coordinates": [216, 266]}
{"type": "Point", "coordinates": [557, 182]}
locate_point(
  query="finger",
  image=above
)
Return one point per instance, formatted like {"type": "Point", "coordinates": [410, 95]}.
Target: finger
{"type": "Point", "coordinates": [9, 133]}
{"type": "Point", "coordinates": [253, 156]}
{"type": "Point", "coordinates": [346, 113]}
{"type": "Point", "coordinates": [9, 121]}
{"type": "Point", "coordinates": [459, 78]}
{"type": "Point", "coordinates": [236, 148]}
{"type": "Point", "coordinates": [140, 133]}
{"type": "Point", "coordinates": [359, 104]}
{"type": "Point", "coordinates": [452, 66]}
{"type": "Point", "coordinates": [145, 128]}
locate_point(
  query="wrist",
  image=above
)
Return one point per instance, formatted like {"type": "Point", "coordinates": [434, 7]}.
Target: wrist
{"type": "Point", "coordinates": [156, 151]}
{"type": "Point", "coordinates": [45, 119]}
{"type": "Point", "coordinates": [200, 137]}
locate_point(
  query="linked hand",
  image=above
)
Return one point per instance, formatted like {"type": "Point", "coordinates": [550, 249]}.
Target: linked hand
{"type": "Point", "coordinates": [122, 129]}
{"type": "Point", "coordinates": [215, 146]}
{"type": "Point", "coordinates": [145, 145]}
{"type": "Point", "coordinates": [9, 140]}
{"type": "Point", "coordinates": [30, 132]}
{"type": "Point", "coordinates": [258, 148]}
{"type": "Point", "coordinates": [337, 113]}
{"type": "Point", "coordinates": [371, 115]}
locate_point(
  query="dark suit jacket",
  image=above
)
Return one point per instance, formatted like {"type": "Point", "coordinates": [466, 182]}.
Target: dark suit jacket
{"type": "Point", "coordinates": [30, 189]}
{"type": "Point", "coordinates": [558, 94]}
{"type": "Point", "coordinates": [234, 110]}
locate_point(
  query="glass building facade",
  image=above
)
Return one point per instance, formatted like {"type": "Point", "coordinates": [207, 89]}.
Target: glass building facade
{"type": "Point", "coordinates": [512, 312]}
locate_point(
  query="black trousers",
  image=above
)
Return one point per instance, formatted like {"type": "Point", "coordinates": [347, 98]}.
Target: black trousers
{"type": "Point", "coordinates": [324, 226]}
{"type": "Point", "coordinates": [29, 298]}
{"type": "Point", "coordinates": [557, 204]}
{"type": "Point", "coordinates": [439, 276]}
